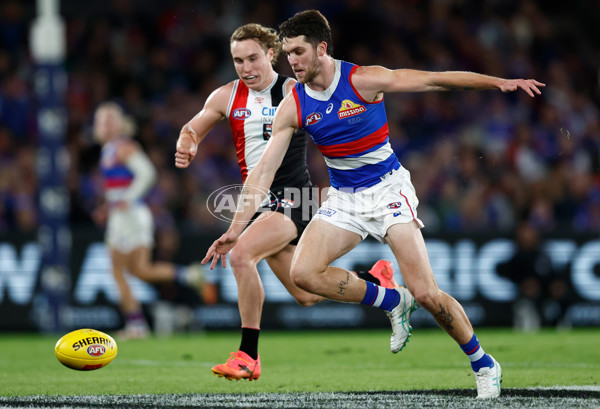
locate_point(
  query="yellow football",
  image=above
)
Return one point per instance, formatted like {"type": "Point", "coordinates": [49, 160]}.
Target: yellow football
{"type": "Point", "coordinates": [85, 349]}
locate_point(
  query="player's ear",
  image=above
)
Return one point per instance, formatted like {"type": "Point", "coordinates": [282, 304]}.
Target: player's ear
{"type": "Point", "coordinates": [322, 48]}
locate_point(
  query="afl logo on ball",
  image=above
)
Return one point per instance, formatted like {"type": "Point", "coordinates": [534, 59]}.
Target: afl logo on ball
{"type": "Point", "coordinates": [96, 350]}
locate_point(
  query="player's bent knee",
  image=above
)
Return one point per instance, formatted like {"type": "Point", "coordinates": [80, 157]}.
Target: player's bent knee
{"type": "Point", "coordinates": [306, 299]}
{"type": "Point", "coordinates": [239, 259]}
{"type": "Point", "coordinates": [140, 271]}
{"type": "Point", "coordinates": [427, 298]}
{"type": "Point", "coordinates": [301, 279]}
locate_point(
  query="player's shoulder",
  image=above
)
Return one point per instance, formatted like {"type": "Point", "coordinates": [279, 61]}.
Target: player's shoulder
{"type": "Point", "coordinates": [289, 83]}
{"type": "Point", "coordinates": [366, 77]}
{"type": "Point", "coordinates": [127, 147]}
{"type": "Point", "coordinates": [224, 91]}
{"type": "Point", "coordinates": [367, 70]}
{"type": "Point", "coordinates": [219, 98]}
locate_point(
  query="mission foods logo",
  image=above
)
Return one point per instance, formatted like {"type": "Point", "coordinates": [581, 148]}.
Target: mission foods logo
{"type": "Point", "coordinates": [224, 202]}
{"type": "Point", "coordinates": [349, 109]}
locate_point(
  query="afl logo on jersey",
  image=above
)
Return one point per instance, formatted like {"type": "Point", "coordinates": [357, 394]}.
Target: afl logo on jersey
{"type": "Point", "coordinates": [313, 118]}
{"type": "Point", "coordinates": [241, 113]}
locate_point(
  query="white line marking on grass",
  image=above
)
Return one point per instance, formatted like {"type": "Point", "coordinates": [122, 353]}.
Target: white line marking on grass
{"type": "Point", "coordinates": [587, 388]}
{"type": "Point", "coordinates": [549, 365]}
{"type": "Point", "coordinates": [148, 362]}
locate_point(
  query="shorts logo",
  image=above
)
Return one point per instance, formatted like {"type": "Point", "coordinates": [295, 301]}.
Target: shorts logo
{"type": "Point", "coordinates": [394, 205]}
{"type": "Point", "coordinates": [350, 108]}
{"type": "Point", "coordinates": [287, 203]}
{"type": "Point", "coordinates": [397, 214]}
{"type": "Point", "coordinates": [241, 114]}
{"type": "Point", "coordinates": [326, 212]}
{"type": "Point", "coordinates": [313, 118]}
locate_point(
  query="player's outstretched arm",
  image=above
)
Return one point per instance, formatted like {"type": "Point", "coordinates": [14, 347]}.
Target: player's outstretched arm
{"type": "Point", "coordinates": [193, 132]}
{"type": "Point", "coordinates": [258, 182]}
{"type": "Point", "coordinates": [371, 81]}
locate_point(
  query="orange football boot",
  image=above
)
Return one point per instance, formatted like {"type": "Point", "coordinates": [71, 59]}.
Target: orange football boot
{"type": "Point", "coordinates": [384, 272]}
{"type": "Point", "coordinates": [239, 366]}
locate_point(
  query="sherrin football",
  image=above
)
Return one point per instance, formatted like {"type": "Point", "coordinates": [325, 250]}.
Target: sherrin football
{"type": "Point", "coordinates": [86, 349]}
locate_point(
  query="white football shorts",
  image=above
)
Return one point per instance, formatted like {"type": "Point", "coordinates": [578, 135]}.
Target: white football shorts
{"type": "Point", "coordinates": [374, 209]}
{"type": "Point", "coordinates": [130, 228]}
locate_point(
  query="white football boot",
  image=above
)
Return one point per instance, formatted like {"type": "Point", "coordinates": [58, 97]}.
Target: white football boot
{"type": "Point", "coordinates": [488, 381]}
{"type": "Point", "coordinates": [399, 317]}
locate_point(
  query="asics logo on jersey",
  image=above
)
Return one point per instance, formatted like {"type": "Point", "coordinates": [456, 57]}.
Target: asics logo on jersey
{"type": "Point", "coordinates": [241, 113]}
{"type": "Point", "coordinates": [313, 118]}
{"type": "Point", "coordinates": [329, 108]}
{"type": "Point", "coordinates": [350, 108]}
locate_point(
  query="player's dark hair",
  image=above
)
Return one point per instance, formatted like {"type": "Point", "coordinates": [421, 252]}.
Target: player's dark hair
{"type": "Point", "coordinates": [312, 25]}
{"type": "Point", "coordinates": [265, 36]}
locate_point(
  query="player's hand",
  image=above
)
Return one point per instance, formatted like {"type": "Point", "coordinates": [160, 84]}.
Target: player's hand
{"type": "Point", "coordinates": [219, 249]}
{"type": "Point", "coordinates": [100, 214]}
{"type": "Point", "coordinates": [529, 86]}
{"type": "Point", "coordinates": [186, 150]}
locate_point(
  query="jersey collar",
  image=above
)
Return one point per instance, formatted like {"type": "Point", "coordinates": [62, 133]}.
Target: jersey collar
{"type": "Point", "coordinates": [325, 95]}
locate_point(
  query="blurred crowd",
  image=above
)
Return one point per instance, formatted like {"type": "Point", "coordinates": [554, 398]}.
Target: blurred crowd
{"type": "Point", "coordinates": [480, 161]}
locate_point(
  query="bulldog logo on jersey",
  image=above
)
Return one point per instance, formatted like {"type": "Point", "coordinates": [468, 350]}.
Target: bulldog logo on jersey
{"type": "Point", "coordinates": [350, 108]}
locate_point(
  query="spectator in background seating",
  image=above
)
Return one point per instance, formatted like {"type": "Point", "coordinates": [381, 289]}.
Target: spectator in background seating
{"type": "Point", "coordinates": [530, 269]}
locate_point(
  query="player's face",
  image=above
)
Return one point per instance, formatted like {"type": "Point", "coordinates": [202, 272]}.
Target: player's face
{"type": "Point", "coordinates": [253, 64]}
{"type": "Point", "coordinates": [302, 57]}
{"type": "Point", "coordinates": [108, 124]}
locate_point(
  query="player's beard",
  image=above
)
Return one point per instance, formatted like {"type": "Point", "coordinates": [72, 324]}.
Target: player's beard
{"type": "Point", "coordinates": [311, 72]}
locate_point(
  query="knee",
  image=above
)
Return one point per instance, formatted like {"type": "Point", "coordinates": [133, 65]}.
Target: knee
{"type": "Point", "coordinates": [301, 278]}
{"type": "Point", "coordinates": [306, 299]}
{"type": "Point", "coordinates": [239, 260]}
{"type": "Point", "coordinates": [427, 298]}
{"type": "Point", "coordinates": [139, 270]}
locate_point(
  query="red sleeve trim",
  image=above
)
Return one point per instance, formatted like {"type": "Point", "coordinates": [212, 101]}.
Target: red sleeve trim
{"type": "Point", "coordinates": [354, 89]}
{"type": "Point", "coordinates": [298, 108]}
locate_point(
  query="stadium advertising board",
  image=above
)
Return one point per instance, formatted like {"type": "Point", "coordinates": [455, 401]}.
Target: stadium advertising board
{"type": "Point", "coordinates": [467, 268]}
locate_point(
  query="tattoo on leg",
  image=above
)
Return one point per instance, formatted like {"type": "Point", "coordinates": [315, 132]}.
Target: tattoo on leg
{"type": "Point", "coordinates": [344, 284]}
{"type": "Point", "coordinates": [445, 318]}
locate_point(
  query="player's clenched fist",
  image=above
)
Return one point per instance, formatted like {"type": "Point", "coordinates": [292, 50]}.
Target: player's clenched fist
{"type": "Point", "coordinates": [186, 150]}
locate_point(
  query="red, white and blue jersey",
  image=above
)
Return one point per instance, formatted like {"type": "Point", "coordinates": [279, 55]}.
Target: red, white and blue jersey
{"type": "Point", "coordinates": [117, 177]}
{"type": "Point", "coordinates": [351, 133]}
{"type": "Point", "coordinates": [250, 115]}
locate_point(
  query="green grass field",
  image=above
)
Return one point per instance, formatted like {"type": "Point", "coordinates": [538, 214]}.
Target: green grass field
{"type": "Point", "coordinates": [297, 362]}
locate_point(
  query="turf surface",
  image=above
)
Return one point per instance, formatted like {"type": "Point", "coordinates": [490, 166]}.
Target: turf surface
{"type": "Point", "coordinates": [329, 366]}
